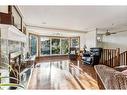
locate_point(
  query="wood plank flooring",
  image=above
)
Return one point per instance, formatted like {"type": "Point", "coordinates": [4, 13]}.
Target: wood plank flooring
{"type": "Point", "coordinates": [62, 74]}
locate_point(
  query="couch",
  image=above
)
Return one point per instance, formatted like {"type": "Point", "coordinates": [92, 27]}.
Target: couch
{"type": "Point", "coordinates": [110, 78]}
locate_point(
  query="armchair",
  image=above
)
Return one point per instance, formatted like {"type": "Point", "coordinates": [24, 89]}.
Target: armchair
{"type": "Point", "coordinates": [93, 56]}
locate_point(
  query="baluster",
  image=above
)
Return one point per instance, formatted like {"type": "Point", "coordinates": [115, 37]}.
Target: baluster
{"type": "Point", "coordinates": [108, 57]}
{"type": "Point", "coordinates": [126, 58]}
{"type": "Point", "coordinates": [117, 56]}
{"type": "Point", "coordinates": [112, 58]}
{"type": "Point", "coordinates": [104, 56]}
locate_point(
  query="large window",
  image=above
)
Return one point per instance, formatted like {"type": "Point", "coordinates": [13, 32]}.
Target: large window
{"type": "Point", "coordinates": [52, 45]}
{"type": "Point", "coordinates": [45, 46]}
{"type": "Point", "coordinates": [33, 44]}
{"type": "Point", "coordinates": [64, 46]}
{"type": "Point", "coordinates": [55, 46]}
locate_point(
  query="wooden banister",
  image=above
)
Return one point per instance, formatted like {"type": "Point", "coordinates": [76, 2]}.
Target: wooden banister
{"type": "Point", "coordinates": [117, 56]}
{"type": "Point", "coordinates": [113, 57]}
{"type": "Point", "coordinates": [110, 57]}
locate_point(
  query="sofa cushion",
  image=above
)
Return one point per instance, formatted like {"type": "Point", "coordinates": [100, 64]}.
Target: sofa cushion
{"type": "Point", "coordinates": [121, 68]}
{"type": "Point", "coordinates": [121, 79]}
{"type": "Point", "coordinates": [124, 72]}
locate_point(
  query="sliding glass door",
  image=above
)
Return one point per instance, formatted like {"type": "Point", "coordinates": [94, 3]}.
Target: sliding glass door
{"type": "Point", "coordinates": [64, 46]}
{"type": "Point", "coordinates": [55, 46]}
{"type": "Point", "coordinates": [33, 44]}
{"type": "Point", "coordinates": [75, 42]}
{"type": "Point", "coordinates": [45, 45]}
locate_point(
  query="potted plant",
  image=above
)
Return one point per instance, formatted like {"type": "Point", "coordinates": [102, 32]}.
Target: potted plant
{"type": "Point", "coordinates": [6, 66]}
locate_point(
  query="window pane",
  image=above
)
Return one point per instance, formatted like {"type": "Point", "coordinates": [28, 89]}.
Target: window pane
{"type": "Point", "coordinates": [33, 44]}
{"type": "Point", "coordinates": [64, 46]}
{"type": "Point", "coordinates": [55, 46]}
{"type": "Point", "coordinates": [45, 46]}
{"type": "Point", "coordinates": [75, 42]}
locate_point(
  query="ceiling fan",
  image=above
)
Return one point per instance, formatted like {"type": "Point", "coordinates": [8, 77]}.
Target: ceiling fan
{"type": "Point", "coordinates": [109, 33]}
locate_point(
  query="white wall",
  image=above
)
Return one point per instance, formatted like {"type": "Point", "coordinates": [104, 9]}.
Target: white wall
{"type": "Point", "coordinates": [90, 38]}
{"type": "Point", "coordinates": [4, 9]}
{"type": "Point", "coordinates": [118, 40]}
{"type": "Point", "coordinates": [82, 40]}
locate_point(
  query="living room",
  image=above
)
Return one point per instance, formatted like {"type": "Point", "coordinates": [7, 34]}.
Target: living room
{"type": "Point", "coordinates": [63, 47]}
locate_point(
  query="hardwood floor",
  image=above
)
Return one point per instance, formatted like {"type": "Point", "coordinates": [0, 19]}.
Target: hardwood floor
{"type": "Point", "coordinates": [61, 73]}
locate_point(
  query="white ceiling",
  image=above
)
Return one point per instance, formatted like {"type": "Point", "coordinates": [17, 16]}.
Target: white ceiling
{"type": "Point", "coordinates": [81, 18]}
